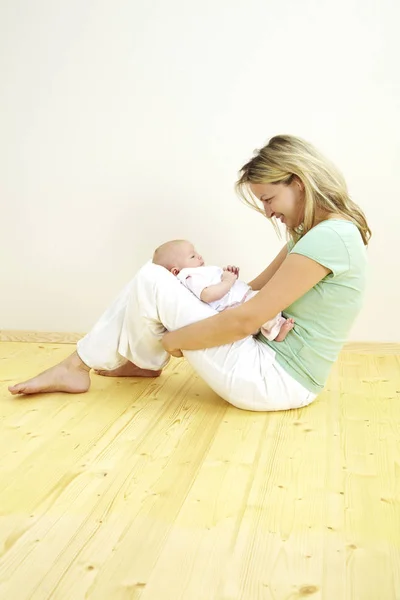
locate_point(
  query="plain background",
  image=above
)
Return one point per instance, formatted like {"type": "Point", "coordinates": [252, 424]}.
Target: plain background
{"type": "Point", "coordinates": [124, 124]}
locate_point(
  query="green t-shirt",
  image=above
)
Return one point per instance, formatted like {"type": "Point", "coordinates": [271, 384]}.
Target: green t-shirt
{"type": "Point", "coordinates": [325, 314]}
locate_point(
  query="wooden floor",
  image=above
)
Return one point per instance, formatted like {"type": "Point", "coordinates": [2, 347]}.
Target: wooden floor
{"type": "Point", "coordinates": [158, 490]}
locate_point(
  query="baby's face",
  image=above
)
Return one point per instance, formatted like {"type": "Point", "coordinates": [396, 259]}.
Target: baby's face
{"type": "Point", "coordinates": [187, 257]}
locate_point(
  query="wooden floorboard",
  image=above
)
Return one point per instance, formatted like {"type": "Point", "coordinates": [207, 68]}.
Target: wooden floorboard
{"type": "Point", "coordinates": [158, 490]}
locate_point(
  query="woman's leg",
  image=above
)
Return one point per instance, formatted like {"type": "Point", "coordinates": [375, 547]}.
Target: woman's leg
{"type": "Point", "coordinates": [125, 341]}
{"type": "Point", "coordinates": [243, 373]}
{"type": "Point", "coordinates": [101, 351]}
{"type": "Point", "coordinates": [71, 375]}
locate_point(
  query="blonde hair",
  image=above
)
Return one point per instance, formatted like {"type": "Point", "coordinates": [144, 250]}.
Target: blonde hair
{"type": "Point", "coordinates": [286, 156]}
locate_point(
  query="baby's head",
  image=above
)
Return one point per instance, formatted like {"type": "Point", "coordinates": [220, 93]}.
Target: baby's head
{"type": "Point", "coordinates": [177, 255]}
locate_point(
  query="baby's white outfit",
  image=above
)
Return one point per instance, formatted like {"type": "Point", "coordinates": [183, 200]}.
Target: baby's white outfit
{"type": "Point", "coordinates": [198, 278]}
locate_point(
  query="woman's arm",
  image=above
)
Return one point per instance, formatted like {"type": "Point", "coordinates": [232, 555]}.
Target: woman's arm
{"type": "Point", "coordinates": [266, 275]}
{"type": "Point", "coordinates": [293, 279]}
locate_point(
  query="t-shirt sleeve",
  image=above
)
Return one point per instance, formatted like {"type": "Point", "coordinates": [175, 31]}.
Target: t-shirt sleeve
{"type": "Point", "coordinates": [195, 282]}
{"type": "Point", "coordinates": [324, 245]}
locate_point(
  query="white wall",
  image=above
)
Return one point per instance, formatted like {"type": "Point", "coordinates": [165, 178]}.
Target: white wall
{"type": "Point", "coordinates": [124, 123]}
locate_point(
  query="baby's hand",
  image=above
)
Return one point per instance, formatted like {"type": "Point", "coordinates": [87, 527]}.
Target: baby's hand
{"type": "Point", "coordinates": [229, 276]}
{"type": "Point", "coordinates": [232, 269]}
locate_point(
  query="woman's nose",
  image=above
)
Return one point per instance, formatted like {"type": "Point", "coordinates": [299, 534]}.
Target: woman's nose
{"type": "Point", "coordinates": [268, 211]}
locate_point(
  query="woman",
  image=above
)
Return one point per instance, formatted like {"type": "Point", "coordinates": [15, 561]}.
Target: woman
{"type": "Point", "coordinates": [318, 279]}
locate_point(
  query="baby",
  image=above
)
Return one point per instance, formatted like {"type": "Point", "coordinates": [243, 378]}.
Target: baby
{"type": "Point", "coordinates": [220, 288]}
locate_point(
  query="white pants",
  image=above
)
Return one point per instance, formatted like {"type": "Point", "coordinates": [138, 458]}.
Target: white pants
{"type": "Point", "coordinates": [244, 373]}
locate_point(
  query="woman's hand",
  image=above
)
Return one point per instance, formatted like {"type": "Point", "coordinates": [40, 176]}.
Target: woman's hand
{"type": "Point", "coordinates": [176, 353]}
{"type": "Point", "coordinates": [166, 342]}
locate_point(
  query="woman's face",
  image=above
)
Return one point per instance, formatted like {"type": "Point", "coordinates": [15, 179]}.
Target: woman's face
{"type": "Point", "coordinates": [282, 201]}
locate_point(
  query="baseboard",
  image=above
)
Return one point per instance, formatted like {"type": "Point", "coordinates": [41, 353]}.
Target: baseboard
{"type": "Point", "coordinates": [51, 337]}
{"type": "Point", "coordinates": [54, 337]}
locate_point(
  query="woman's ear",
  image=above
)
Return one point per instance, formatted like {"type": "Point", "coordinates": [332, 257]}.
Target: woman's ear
{"type": "Point", "coordinates": [298, 182]}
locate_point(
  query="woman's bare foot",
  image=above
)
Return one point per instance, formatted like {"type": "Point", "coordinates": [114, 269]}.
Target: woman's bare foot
{"type": "Point", "coordinates": [71, 375]}
{"type": "Point", "coordinates": [128, 370]}
{"type": "Point", "coordinates": [286, 327]}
